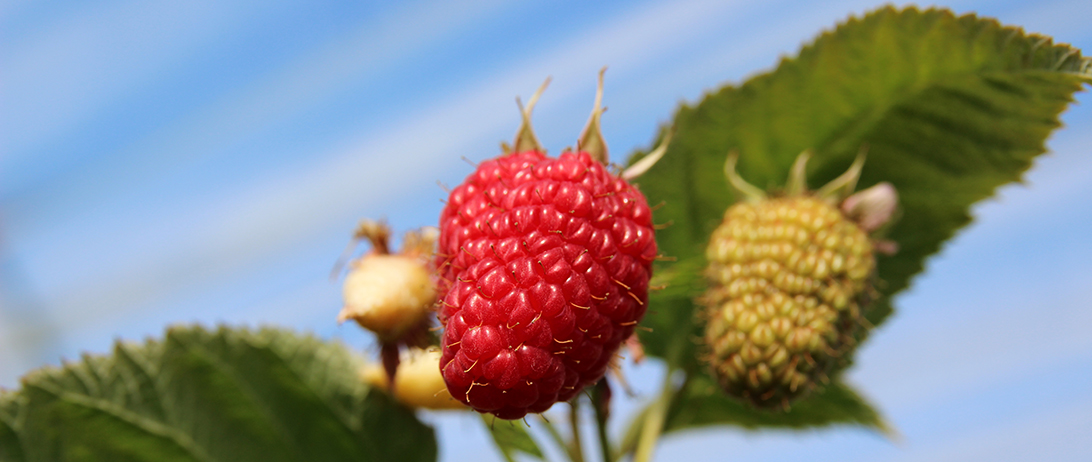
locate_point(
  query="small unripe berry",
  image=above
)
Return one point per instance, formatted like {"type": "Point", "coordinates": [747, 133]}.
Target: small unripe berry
{"type": "Point", "coordinates": [789, 278]}
{"type": "Point", "coordinates": [388, 294]}
{"type": "Point", "coordinates": [417, 383]}
{"type": "Point", "coordinates": [779, 321]}
{"type": "Point", "coordinates": [391, 294]}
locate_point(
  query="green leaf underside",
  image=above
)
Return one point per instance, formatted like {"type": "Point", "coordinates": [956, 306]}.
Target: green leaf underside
{"type": "Point", "coordinates": [511, 437]}
{"type": "Point", "coordinates": [949, 107]}
{"type": "Point", "coordinates": [701, 404]}
{"type": "Point", "coordinates": [228, 395]}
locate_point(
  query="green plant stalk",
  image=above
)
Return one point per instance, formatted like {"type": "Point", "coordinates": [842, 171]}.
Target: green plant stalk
{"type": "Point", "coordinates": [654, 422]}
{"type": "Point", "coordinates": [576, 449]}
{"type": "Point", "coordinates": [601, 429]}
{"type": "Point", "coordinates": [604, 442]}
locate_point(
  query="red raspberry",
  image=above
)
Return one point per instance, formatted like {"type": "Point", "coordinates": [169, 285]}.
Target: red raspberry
{"type": "Point", "coordinates": [544, 266]}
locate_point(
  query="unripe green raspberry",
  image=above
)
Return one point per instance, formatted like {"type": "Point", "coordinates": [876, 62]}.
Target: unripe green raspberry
{"type": "Point", "coordinates": [787, 278]}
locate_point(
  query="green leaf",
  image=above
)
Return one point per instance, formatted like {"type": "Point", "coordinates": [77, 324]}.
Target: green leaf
{"type": "Point", "coordinates": [671, 321]}
{"type": "Point", "coordinates": [266, 395]}
{"type": "Point", "coordinates": [949, 107]}
{"type": "Point", "coordinates": [700, 403]}
{"type": "Point", "coordinates": [11, 406]}
{"type": "Point", "coordinates": [511, 437]}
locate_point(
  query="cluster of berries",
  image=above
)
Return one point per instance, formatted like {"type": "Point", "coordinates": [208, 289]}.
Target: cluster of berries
{"type": "Point", "coordinates": [540, 271]}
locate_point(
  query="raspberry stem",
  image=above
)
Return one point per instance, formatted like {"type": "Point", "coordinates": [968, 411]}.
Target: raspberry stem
{"type": "Point", "coordinates": [576, 450]}
{"type": "Point", "coordinates": [601, 395]}
{"type": "Point", "coordinates": [388, 353]}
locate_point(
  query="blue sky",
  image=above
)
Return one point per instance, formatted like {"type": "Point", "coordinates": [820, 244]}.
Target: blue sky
{"type": "Point", "coordinates": [205, 161]}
